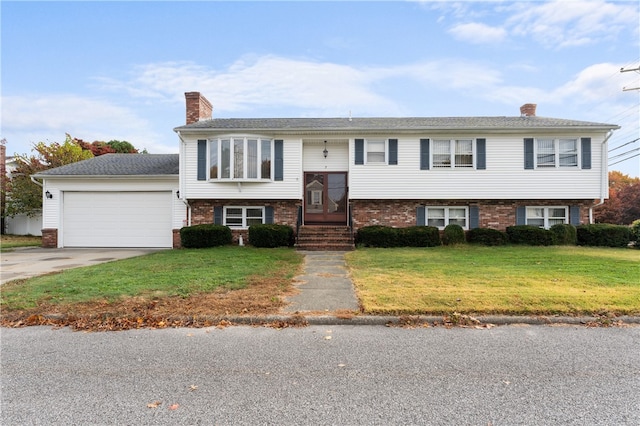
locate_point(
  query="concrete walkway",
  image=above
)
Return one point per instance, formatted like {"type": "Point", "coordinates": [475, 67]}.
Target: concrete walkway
{"type": "Point", "coordinates": [324, 286]}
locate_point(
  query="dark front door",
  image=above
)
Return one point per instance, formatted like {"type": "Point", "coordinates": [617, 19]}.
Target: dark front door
{"type": "Point", "coordinates": [325, 198]}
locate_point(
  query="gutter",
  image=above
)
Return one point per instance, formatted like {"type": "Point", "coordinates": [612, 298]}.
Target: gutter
{"type": "Point", "coordinates": [604, 175]}
{"type": "Point", "coordinates": [33, 179]}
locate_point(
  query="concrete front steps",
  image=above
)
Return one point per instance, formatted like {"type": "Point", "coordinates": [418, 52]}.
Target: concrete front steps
{"type": "Point", "coordinates": [321, 237]}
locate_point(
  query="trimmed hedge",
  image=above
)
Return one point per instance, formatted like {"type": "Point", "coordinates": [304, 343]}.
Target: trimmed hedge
{"type": "Point", "coordinates": [386, 236]}
{"type": "Point", "coordinates": [604, 235]}
{"type": "Point", "coordinates": [270, 236]}
{"type": "Point", "coordinates": [206, 235]}
{"type": "Point", "coordinates": [487, 237]}
{"type": "Point", "coordinates": [453, 234]}
{"type": "Point", "coordinates": [529, 235]}
{"type": "Point", "coordinates": [635, 233]}
{"type": "Point", "coordinates": [564, 234]}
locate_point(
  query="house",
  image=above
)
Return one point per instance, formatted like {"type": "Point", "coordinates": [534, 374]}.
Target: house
{"type": "Point", "coordinates": [352, 172]}
{"type": "Point", "coordinates": [328, 177]}
{"type": "Point", "coordinates": [114, 200]}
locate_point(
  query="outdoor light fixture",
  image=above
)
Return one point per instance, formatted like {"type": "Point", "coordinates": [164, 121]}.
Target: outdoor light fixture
{"type": "Point", "coordinates": [325, 152]}
{"type": "Point", "coordinates": [48, 195]}
{"type": "Point", "coordinates": [178, 194]}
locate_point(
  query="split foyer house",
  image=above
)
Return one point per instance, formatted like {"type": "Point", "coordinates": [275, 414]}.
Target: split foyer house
{"type": "Point", "coordinates": [330, 174]}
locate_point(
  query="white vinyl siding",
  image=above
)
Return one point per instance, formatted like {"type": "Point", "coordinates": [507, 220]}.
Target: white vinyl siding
{"type": "Point", "coordinates": [504, 177]}
{"type": "Point", "coordinates": [337, 159]}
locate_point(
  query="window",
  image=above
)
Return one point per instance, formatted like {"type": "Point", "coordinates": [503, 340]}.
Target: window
{"type": "Point", "coordinates": [240, 158]}
{"type": "Point", "coordinates": [546, 217]}
{"type": "Point", "coordinates": [443, 216]}
{"type": "Point", "coordinates": [376, 151]}
{"type": "Point", "coordinates": [448, 154]}
{"type": "Point", "coordinates": [243, 217]}
{"type": "Point", "coordinates": [553, 153]}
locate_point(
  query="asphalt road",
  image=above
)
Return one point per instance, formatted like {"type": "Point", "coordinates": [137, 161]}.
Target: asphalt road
{"type": "Point", "coordinates": [341, 375]}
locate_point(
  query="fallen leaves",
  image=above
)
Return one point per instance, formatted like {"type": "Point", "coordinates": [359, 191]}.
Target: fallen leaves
{"type": "Point", "coordinates": [154, 404]}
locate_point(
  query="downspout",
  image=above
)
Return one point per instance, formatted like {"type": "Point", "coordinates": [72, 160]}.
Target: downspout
{"type": "Point", "coordinates": [604, 170]}
{"type": "Point", "coordinates": [180, 184]}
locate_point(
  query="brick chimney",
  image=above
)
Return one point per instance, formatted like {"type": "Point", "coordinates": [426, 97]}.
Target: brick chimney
{"type": "Point", "coordinates": [528, 110]}
{"type": "Point", "coordinates": [198, 107]}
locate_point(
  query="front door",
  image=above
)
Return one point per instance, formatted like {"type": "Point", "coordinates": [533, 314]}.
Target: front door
{"type": "Point", "coordinates": [325, 198]}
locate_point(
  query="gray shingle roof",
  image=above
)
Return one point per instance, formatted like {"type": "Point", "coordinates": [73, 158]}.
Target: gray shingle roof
{"type": "Point", "coordinates": [390, 123]}
{"type": "Point", "coordinates": [119, 165]}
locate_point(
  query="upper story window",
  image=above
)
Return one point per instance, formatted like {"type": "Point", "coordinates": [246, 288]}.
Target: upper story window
{"type": "Point", "coordinates": [556, 153]}
{"type": "Point", "coordinates": [376, 151]}
{"type": "Point", "coordinates": [456, 153]}
{"type": "Point", "coordinates": [240, 158]}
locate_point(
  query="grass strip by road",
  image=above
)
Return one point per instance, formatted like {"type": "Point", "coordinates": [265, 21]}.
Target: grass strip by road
{"type": "Point", "coordinates": [515, 280]}
{"type": "Point", "coordinates": [174, 274]}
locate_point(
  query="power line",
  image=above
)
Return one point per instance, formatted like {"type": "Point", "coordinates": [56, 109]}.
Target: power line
{"type": "Point", "coordinates": [624, 153]}
{"type": "Point", "coordinates": [624, 159]}
{"type": "Point", "coordinates": [628, 143]}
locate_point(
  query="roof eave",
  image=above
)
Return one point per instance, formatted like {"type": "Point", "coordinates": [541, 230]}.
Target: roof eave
{"type": "Point", "coordinates": [156, 177]}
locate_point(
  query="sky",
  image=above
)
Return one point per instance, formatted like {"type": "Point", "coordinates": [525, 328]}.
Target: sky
{"type": "Point", "coordinates": [119, 70]}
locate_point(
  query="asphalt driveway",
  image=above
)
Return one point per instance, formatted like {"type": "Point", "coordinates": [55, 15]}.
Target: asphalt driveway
{"type": "Point", "coordinates": [32, 261]}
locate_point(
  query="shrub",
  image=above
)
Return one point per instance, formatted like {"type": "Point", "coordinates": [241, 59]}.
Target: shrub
{"type": "Point", "coordinates": [206, 235]}
{"type": "Point", "coordinates": [604, 235]}
{"type": "Point", "coordinates": [377, 236]}
{"type": "Point", "coordinates": [270, 236]}
{"type": "Point", "coordinates": [419, 236]}
{"type": "Point", "coordinates": [487, 237]}
{"type": "Point", "coordinates": [530, 235]}
{"type": "Point", "coordinates": [453, 234]}
{"type": "Point", "coordinates": [635, 233]}
{"type": "Point", "coordinates": [564, 234]}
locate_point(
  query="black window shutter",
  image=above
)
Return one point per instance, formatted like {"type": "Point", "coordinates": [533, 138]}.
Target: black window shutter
{"type": "Point", "coordinates": [202, 160]}
{"type": "Point", "coordinates": [278, 161]}
{"type": "Point", "coordinates": [217, 215]}
{"type": "Point", "coordinates": [420, 216]}
{"type": "Point", "coordinates": [586, 153]}
{"type": "Point", "coordinates": [528, 153]}
{"type": "Point", "coordinates": [574, 215]}
{"type": "Point", "coordinates": [268, 215]}
{"type": "Point", "coordinates": [481, 151]}
{"type": "Point", "coordinates": [359, 151]}
{"type": "Point", "coordinates": [393, 151]}
{"type": "Point", "coordinates": [424, 154]}
{"type": "Point", "coordinates": [474, 217]}
{"type": "Point", "coordinates": [521, 215]}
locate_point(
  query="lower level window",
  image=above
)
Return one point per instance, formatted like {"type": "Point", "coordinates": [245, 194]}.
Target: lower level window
{"type": "Point", "coordinates": [243, 217]}
{"type": "Point", "coordinates": [443, 216]}
{"type": "Point", "coordinates": [546, 217]}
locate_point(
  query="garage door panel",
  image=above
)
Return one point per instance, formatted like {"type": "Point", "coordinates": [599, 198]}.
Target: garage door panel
{"type": "Point", "coordinates": [117, 219]}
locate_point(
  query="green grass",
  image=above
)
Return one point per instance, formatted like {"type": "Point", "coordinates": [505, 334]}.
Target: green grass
{"type": "Point", "coordinates": [166, 273]}
{"type": "Point", "coordinates": [9, 242]}
{"type": "Point", "coordinates": [497, 280]}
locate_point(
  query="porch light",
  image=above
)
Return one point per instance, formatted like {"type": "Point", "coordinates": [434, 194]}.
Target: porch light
{"type": "Point", "coordinates": [50, 195]}
{"type": "Point", "coordinates": [178, 194]}
{"type": "Point", "coordinates": [325, 152]}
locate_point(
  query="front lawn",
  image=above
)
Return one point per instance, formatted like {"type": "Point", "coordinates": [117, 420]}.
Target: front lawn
{"type": "Point", "coordinates": [9, 242]}
{"type": "Point", "coordinates": [497, 280]}
{"type": "Point", "coordinates": [215, 281]}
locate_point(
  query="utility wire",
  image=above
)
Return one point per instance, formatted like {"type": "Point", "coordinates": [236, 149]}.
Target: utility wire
{"type": "Point", "coordinates": [624, 153]}
{"type": "Point", "coordinates": [628, 143]}
{"type": "Point", "coordinates": [625, 159]}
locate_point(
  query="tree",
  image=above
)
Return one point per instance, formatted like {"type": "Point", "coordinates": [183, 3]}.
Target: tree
{"type": "Point", "coordinates": [114, 146]}
{"type": "Point", "coordinates": [623, 205]}
{"type": "Point", "coordinates": [23, 195]}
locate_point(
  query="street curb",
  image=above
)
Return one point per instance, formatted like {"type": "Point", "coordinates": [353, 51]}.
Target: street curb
{"type": "Point", "coordinates": [301, 319]}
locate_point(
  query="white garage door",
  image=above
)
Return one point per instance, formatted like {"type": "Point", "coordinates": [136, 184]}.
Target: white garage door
{"type": "Point", "coordinates": [117, 219]}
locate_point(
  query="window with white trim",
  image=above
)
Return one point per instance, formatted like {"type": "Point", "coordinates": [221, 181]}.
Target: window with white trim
{"type": "Point", "coordinates": [376, 151]}
{"type": "Point", "coordinates": [440, 217]}
{"type": "Point", "coordinates": [553, 153]}
{"type": "Point", "coordinates": [243, 217]}
{"type": "Point", "coordinates": [546, 217]}
{"type": "Point", "coordinates": [240, 158]}
{"type": "Point", "coordinates": [452, 153]}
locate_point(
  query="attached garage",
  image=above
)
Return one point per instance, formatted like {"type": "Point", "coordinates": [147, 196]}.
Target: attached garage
{"type": "Point", "coordinates": [114, 200]}
{"type": "Point", "coordinates": [117, 219]}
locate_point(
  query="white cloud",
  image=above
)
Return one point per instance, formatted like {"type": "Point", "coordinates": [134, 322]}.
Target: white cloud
{"type": "Point", "coordinates": [573, 23]}
{"type": "Point", "coordinates": [478, 33]}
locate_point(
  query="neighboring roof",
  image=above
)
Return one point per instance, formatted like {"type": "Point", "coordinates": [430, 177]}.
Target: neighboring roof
{"type": "Point", "coordinates": [390, 123]}
{"type": "Point", "coordinates": [119, 165]}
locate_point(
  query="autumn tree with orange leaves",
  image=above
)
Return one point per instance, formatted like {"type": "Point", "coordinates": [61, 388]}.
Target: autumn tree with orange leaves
{"type": "Point", "coordinates": [623, 205]}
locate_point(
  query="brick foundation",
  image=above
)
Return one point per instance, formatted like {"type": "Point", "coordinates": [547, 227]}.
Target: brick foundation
{"type": "Point", "coordinates": [177, 241]}
{"type": "Point", "coordinates": [50, 238]}
{"type": "Point", "coordinates": [496, 214]}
